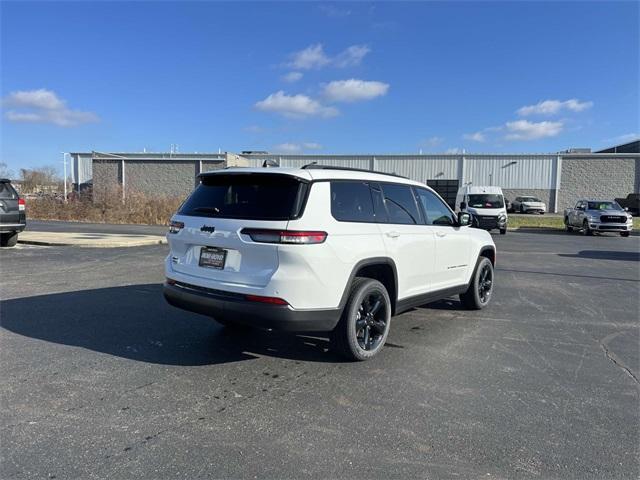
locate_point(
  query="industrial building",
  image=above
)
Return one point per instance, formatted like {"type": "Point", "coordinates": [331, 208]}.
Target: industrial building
{"type": "Point", "coordinates": [558, 179]}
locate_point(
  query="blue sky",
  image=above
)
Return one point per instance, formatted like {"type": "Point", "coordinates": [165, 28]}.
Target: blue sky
{"type": "Point", "coordinates": [316, 77]}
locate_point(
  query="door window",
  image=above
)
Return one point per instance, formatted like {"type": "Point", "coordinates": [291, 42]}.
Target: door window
{"type": "Point", "coordinates": [401, 204]}
{"type": "Point", "coordinates": [435, 210]}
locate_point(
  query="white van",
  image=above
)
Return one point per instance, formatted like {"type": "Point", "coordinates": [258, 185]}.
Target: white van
{"type": "Point", "coordinates": [485, 204]}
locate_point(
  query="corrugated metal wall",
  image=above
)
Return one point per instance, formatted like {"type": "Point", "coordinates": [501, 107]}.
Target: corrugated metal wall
{"type": "Point", "coordinates": [507, 171]}
{"type": "Point", "coordinates": [419, 168]}
{"type": "Point", "coordinates": [516, 171]}
{"type": "Point", "coordinates": [81, 167]}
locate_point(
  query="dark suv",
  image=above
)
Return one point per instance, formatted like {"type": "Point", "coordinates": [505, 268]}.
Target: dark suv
{"type": "Point", "coordinates": [12, 214]}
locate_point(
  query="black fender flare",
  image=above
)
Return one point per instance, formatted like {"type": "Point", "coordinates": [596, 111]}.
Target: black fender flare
{"type": "Point", "coordinates": [366, 263]}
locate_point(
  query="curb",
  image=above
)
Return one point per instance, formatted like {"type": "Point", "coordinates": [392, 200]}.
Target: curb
{"type": "Point", "coordinates": [93, 245]}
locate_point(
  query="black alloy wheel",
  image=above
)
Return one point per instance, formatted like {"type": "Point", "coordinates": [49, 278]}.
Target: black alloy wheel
{"type": "Point", "coordinates": [371, 321]}
{"type": "Point", "coordinates": [485, 283]}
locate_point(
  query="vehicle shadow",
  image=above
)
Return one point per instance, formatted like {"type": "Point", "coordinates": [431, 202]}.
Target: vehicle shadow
{"type": "Point", "coordinates": [135, 322]}
{"type": "Point", "coordinates": [604, 255]}
{"type": "Point", "coordinates": [544, 231]}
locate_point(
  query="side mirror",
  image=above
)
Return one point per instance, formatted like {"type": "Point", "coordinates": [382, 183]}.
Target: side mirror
{"type": "Point", "coordinates": [626, 209]}
{"type": "Point", "coordinates": [463, 205]}
{"type": "Point", "coordinates": [464, 219]}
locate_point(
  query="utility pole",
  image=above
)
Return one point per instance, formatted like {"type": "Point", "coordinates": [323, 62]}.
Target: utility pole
{"type": "Point", "coordinates": [64, 163]}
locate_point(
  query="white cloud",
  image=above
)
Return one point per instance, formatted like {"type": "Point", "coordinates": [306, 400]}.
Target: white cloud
{"type": "Point", "coordinates": [431, 142]}
{"type": "Point", "coordinates": [314, 57]}
{"type": "Point", "coordinates": [311, 57]}
{"type": "Point", "coordinates": [552, 107]}
{"type": "Point", "coordinates": [354, 90]}
{"type": "Point", "coordinates": [287, 148]}
{"type": "Point", "coordinates": [526, 130]}
{"type": "Point", "coordinates": [333, 11]}
{"type": "Point", "coordinates": [43, 106]}
{"type": "Point", "coordinates": [352, 56]}
{"type": "Point", "coordinates": [627, 137]}
{"type": "Point", "coordinates": [292, 77]}
{"type": "Point", "coordinates": [296, 147]}
{"type": "Point", "coordinates": [476, 137]}
{"type": "Point", "coordinates": [294, 106]}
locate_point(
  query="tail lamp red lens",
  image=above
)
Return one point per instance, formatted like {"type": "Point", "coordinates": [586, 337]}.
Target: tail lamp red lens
{"type": "Point", "coordinates": [21, 204]}
{"type": "Point", "coordinates": [297, 237]}
{"type": "Point", "coordinates": [175, 227]}
{"type": "Point", "coordinates": [270, 300]}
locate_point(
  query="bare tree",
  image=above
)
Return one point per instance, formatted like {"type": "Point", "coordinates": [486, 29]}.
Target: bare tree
{"type": "Point", "coordinates": [41, 179]}
{"type": "Point", "coordinates": [5, 171]}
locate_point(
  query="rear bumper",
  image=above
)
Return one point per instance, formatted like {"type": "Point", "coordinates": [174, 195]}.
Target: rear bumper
{"type": "Point", "coordinates": [12, 227]}
{"type": "Point", "coordinates": [233, 307]}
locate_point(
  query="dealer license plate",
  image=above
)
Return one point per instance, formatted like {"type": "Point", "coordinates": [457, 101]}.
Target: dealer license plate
{"type": "Point", "coordinates": [212, 257]}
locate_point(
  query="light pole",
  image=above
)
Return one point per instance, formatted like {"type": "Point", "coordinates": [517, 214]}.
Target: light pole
{"type": "Point", "coordinates": [64, 163]}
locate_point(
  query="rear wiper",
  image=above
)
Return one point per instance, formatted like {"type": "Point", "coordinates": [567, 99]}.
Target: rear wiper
{"type": "Point", "coordinates": [214, 210]}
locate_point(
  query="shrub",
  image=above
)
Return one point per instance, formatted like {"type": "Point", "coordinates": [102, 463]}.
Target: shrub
{"type": "Point", "coordinates": [106, 207]}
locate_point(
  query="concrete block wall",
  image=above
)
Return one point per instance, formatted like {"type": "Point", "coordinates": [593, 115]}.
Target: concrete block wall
{"type": "Point", "coordinates": [605, 178]}
{"type": "Point", "coordinates": [210, 166]}
{"type": "Point", "coordinates": [107, 178]}
{"type": "Point", "coordinates": [152, 177]}
{"type": "Point", "coordinates": [160, 177]}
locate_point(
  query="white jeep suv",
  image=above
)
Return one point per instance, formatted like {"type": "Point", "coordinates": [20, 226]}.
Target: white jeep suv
{"type": "Point", "coordinates": [322, 249]}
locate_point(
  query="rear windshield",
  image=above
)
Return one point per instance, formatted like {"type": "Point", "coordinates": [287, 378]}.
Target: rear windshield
{"type": "Point", "coordinates": [486, 201]}
{"type": "Point", "coordinates": [604, 206]}
{"type": "Point", "coordinates": [7, 191]}
{"type": "Point", "coordinates": [251, 196]}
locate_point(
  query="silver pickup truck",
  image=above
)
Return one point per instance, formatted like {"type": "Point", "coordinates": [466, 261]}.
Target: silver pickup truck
{"type": "Point", "coordinates": [598, 216]}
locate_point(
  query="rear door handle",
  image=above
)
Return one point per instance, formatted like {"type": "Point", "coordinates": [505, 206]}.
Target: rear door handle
{"type": "Point", "coordinates": [392, 234]}
{"type": "Point", "coordinates": [440, 233]}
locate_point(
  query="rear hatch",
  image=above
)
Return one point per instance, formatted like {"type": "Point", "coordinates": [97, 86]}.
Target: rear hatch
{"type": "Point", "coordinates": [209, 242]}
{"type": "Point", "coordinates": [9, 210]}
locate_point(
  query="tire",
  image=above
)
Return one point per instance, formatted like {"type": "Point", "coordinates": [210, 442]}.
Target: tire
{"type": "Point", "coordinates": [566, 224]}
{"type": "Point", "coordinates": [365, 322]}
{"type": "Point", "coordinates": [624, 234]}
{"type": "Point", "coordinates": [478, 295]}
{"type": "Point", "coordinates": [585, 229]}
{"type": "Point", "coordinates": [503, 231]}
{"type": "Point", "coordinates": [8, 239]}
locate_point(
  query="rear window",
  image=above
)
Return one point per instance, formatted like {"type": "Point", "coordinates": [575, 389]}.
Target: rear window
{"type": "Point", "coordinates": [7, 191]}
{"type": "Point", "coordinates": [352, 202]}
{"type": "Point", "coordinates": [247, 196]}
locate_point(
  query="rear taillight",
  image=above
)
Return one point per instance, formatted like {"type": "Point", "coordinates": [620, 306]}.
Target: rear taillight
{"type": "Point", "coordinates": [21, 204]}
{"type": "Point", "coordinates": [261, 235]}
{"type": "Point", "coordinates": [175, 227]}
{"type": "Point", "coordinates": [270, 300]}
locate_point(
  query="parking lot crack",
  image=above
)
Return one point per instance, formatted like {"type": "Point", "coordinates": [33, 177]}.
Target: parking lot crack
{"type": "Point", "coordinates": [604, 344]}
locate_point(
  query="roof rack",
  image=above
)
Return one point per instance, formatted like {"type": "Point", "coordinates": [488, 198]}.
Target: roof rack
{"type": "Point", "coordinates": [315, 166]}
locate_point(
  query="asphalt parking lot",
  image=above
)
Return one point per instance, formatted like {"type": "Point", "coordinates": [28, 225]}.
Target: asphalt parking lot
{"type": "Point", "coordinates": [102, 379]}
